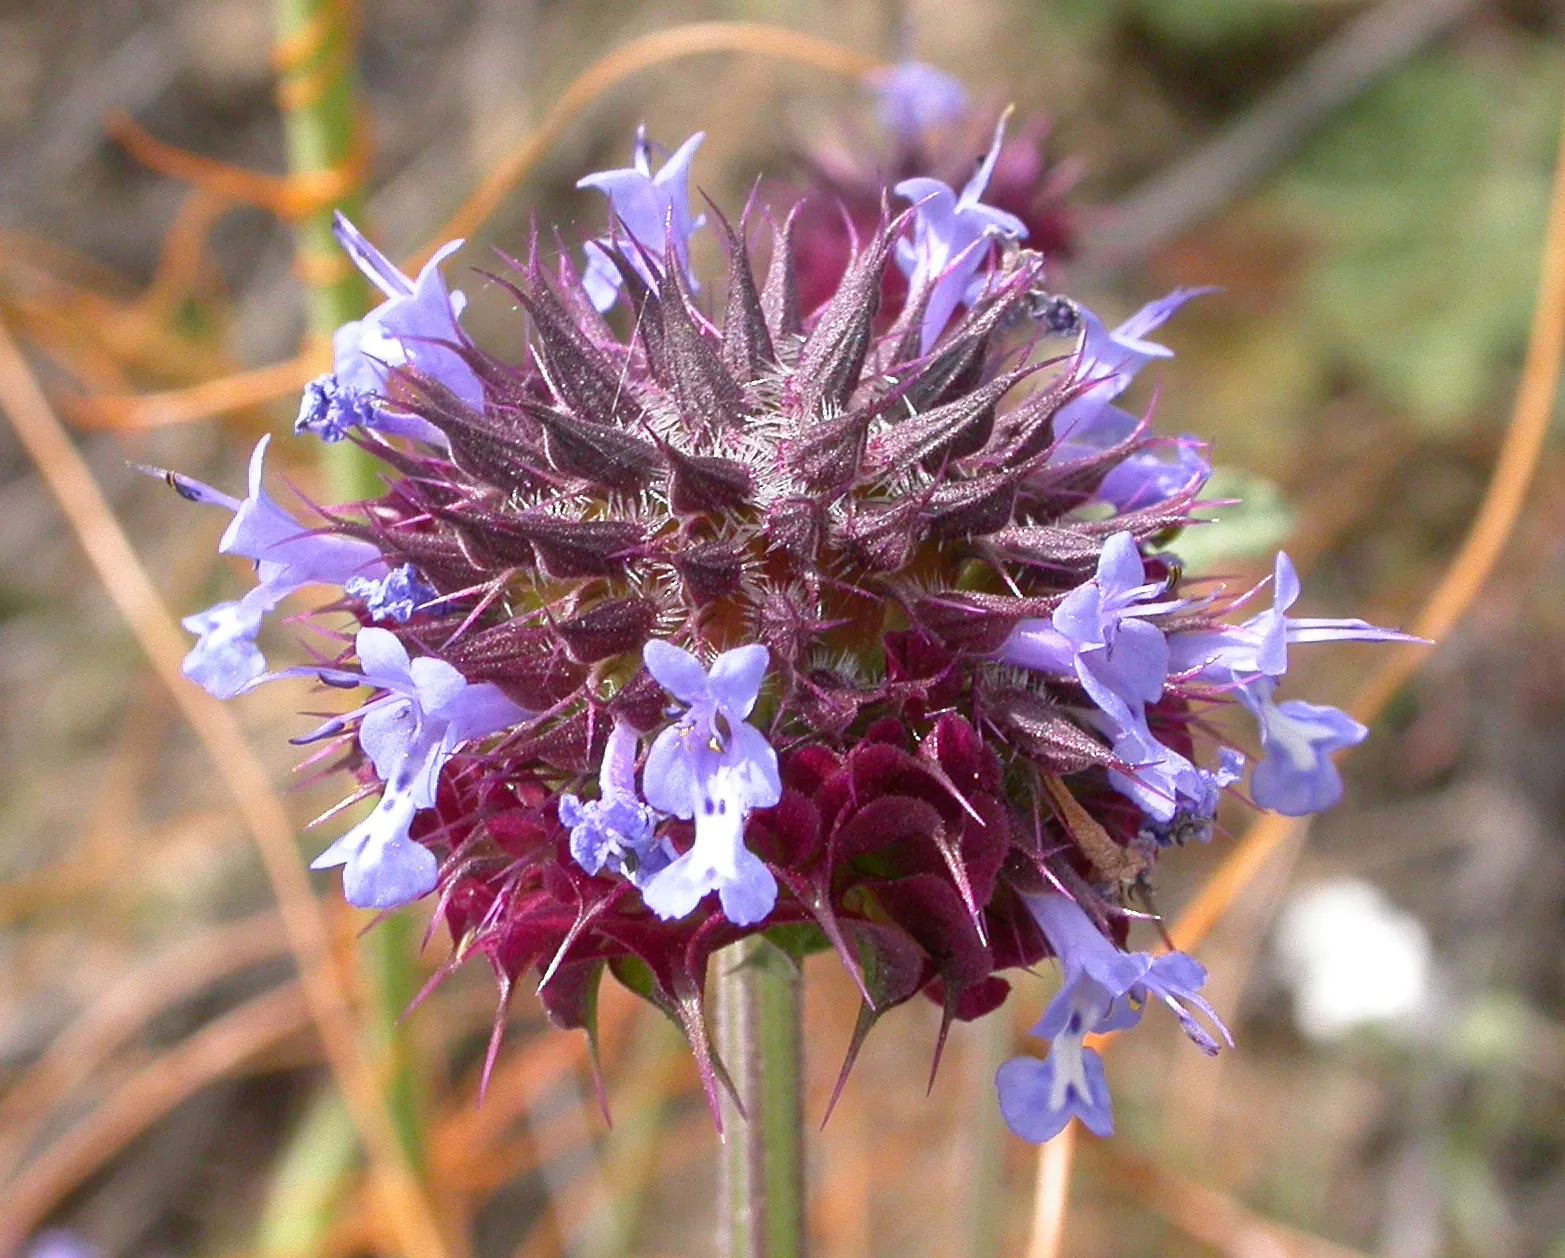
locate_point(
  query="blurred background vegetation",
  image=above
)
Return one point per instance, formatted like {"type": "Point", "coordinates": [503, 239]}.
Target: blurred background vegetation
{"type": "Point", "coordinates": [1397, 988]}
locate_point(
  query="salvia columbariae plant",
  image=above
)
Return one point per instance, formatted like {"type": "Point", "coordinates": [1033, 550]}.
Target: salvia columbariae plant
{"type": "Point", "coordinates": [716, 617]}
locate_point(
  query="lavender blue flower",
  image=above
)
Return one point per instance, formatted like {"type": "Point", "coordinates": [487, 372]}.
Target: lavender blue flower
{"type": "Point", "coordinates": [952, 236]}
{"type": "Point", "coordinates": [712, 766]}
{"type": "Point", "coordinates": [1295, 775]}
{"type": "Point", "coordinates": [287, 557]}
{"type": "Point", "coordinates": [1102, 989]}
{"type": "Point", "coordinates": [1143, 479]}
{"type": "Point", "coordinates": [1100, 634]}
{"type": "Point", "coordinates": [1196, 800]}
{"type": "Point", "coordinates": [1105, 365]}
{"type": "Point", "coordinates": [617, 830]}
{"type": "Point", "coordinates": [395, 596]}
{"type": "Point", "coordinates": [647, 207]}
{"type": "Point", "coordinates": [1259, 646]}
{"type": "Point", "coordinates": [915, 99]}
{"type": "Point", "coordinates": [329, 409]}
{"type": "Point", "coordinates": [225, 658]}
{"type": "Point", "coordinates": [1162, 783]}
{"type": "Point", "coordinates": [1146, 479]}
{"type": "Point", "coordinates": [413, 327]}
{"type": "Point", "coordinates": [427, 711]}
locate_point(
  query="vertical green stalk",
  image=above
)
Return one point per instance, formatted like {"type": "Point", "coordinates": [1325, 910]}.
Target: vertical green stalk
{"type": "Point", "coordinates": [387, 953]}
{"type": "Point", "coordinates": [318, 91]}
{"type": "Point", "coordinates": [759, 1016]}
{"type": "Point", "coordinates": [307, 1180]}
{"type": "Point", "coordinates": [318, 85]}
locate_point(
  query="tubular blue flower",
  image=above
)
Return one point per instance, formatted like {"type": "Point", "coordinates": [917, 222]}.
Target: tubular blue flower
{"type": "Point", "coordinates": [1099, 632]}
{"type": "Point", "coordinates": [617, 830]}
{"type": "Point", "coordinates": [329, 408]}
{"type": "Point", "coordinates": [713, 767]}
{"type": "Point", "coordinates": [649, 208]}
{"type": "Point", "coordinates": [395, 596]}
{"type": "Point", "coordinates": [411, 328]}
{"type": "Point", "coordinates": [952, 236]}
{"type": "Point", "coordinates": [287, 557]}
{"type": "Point", "coordinates": [1105, 365]}
{"type": "Point", "coordinates": [1296, 775]}
{"type": "Point", "coordinates": [915, 99]}
{"type": "Point", "coordinates": [409, 732]}
{"type": "Point", "coordinates": [1196, 799]}
{"type": "Point", "coordinates": [1163, 784]}
{"type": "Point", "coordinates": [1143, 479]}
{"type": "Point", "coordinates": [1102, 989]}
{"type": "Point", "coordinates": [1259, 646]}
{"type": "Point", "coordinates": [225, 658]}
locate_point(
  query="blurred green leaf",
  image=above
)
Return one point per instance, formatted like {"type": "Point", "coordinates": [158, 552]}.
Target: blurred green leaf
{"type": "Point", "coordinates": [1205, 23]}
{"type": "Point", "coordinates": [1255, 525]}
{"type": "Point", "coordinates": [1428, 198]}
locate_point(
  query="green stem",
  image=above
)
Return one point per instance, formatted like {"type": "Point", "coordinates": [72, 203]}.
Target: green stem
{"type": "Point", "coordinates": [388, 965]}
{"type": "Point", "coordinates": [310, 1175]}
{"type": "Point", "coordinates": [759, 1010]}
{"type": "Point", "coordinates": [319, 88]}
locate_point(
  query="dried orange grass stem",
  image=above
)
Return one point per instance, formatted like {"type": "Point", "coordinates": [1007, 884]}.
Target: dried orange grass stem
{"type": "Point", "coordinates": [208, 1055]}
{"type": "Point", "coordinates": [640, 54]}
{"type": "Point", "coordinates": [289, 197]}
{"type": "Point", "coordinates": [237, 392]}
{"type": "Point", "coordinates": [1485, 542]}
{"type": "Point", "coordinates": [1213, 1217]}
{"type": "Point", "coordinates": [124, 1009]}
{"type": "Point", "coordinates": [1051, 1194]}
{"type": "Point", "coordinates": [409, 1213]}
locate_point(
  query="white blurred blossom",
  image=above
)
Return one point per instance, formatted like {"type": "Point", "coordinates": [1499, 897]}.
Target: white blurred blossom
{"type": "Point", "coordinates": [1351, 959]}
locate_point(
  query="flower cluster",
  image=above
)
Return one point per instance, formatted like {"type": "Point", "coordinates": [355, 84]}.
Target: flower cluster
{"type": "Point", "coordinates": [702, 620]}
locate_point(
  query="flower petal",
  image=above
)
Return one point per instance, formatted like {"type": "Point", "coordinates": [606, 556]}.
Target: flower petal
{"type": "Point", "coordinates": [384, 659]}
{"type": "Point", "coordinates": [382, 867]}
{"type": "Point", "coordinates": [375, 266]}
{"type": "Point", "coordinates": [387, 733]}
{"type": "Point", "coordinates": [1028, 1102]}
{"type": "Point", "coordinates": [751, 766]}
{"type": "Point", "coordinates": [736, 677]}
{"type": "Point", "coordinates": [669, 779]}
{"type": "Point", "coordinates": [675, 891]}
{"type": "Point", "coordinates": [225, 659]}
{"type": "Point", "coordinates": [676, 670]}
{"type": "Point", "coordinates": [751, 893]}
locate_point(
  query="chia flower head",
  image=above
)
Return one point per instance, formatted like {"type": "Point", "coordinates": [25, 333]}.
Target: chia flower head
{"type": "Point", "coordinates": [707, 618]}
